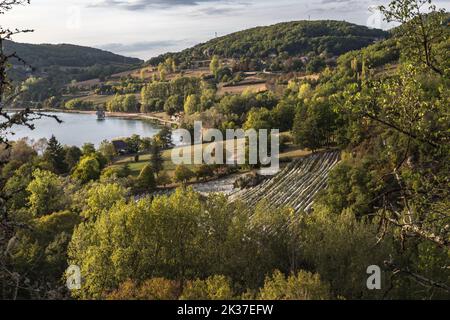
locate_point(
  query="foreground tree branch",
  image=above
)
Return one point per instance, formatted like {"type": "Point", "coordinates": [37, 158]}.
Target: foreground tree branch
{"type": "Point", "coordinates": [416, 277]}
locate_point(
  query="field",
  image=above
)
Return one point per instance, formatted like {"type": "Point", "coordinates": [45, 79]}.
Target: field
{"type": "Point", "coordinates": [97, 99]}
{"type": "Point", "coordinates": [86, 84]}
{"type": "Point", "coordinates": [239, 89]}
{"type": "Point", "coordinates": [295, 186]}
{"type": "Point", "coordinates": [136, 167]}
{"type": "Point", "coordinates": [169, 166]}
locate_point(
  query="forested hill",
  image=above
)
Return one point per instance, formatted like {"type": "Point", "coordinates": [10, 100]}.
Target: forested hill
{"type": "Point", "coordinates": [298, 38]}
{"type": "Point", "coordinates": [62, 63]}
{"type": "Point", "coordinates": [65, 55]}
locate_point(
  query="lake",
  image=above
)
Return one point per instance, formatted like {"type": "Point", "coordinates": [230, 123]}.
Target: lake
{"type": "Point", "coordinates": [78, 129]}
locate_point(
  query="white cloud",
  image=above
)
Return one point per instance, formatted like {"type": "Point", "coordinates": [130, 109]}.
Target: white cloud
{"type": "Point", "coordinates": [167, 25]}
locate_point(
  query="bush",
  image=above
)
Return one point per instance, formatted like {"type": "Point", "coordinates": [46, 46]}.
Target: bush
{"type": "Point", "coordinates": [183, 174]}
{"type": "Point", "coordinates": [153, 289]}
{"type": "Point", "coordinates": [302, 286]}
{"type": "Point", "coordinates": [88, 169]}
{"type": "Point", "coordinates": [146, 179]}
{"type": "Point", "coordinates": [213, 288]}
{"type": "Point", "coordinates": [77, 104]}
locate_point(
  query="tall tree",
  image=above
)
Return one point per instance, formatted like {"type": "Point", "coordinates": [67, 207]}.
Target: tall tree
{"type": "Point", "coordinates": [46, 193]}
{"type": "Point", "coordinates": [215, 65]}
{"type": "Point", "coordinates": [88, 169]}
{"type": "Point", "coordinates": [88, 149]}
{"type": "Point", "coordinates": [55, 156]}
{"type": "Point", "coordinates": [156, 158]}
{"type": "Point", "coordinates": [164, 137]}
{"type": "Point", "coordinates": [73, 155]}
{"type": "Point", "coordinates": [107, 149]}
{"type": "Point", "coordinates": [146, 179]}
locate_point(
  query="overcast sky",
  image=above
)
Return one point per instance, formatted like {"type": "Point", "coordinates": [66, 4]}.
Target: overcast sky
{"type": "Point", "coordinates": [145, 28]}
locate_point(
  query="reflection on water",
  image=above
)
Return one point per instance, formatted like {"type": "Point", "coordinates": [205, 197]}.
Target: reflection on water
{"type": "Point", "coordinates": [78, 129]}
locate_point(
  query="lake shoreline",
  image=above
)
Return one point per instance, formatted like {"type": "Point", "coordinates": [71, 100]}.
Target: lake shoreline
{"type": "Point", "coordinates": [77, 128]}
{"type": "Point", "coordinates": [124, 115]}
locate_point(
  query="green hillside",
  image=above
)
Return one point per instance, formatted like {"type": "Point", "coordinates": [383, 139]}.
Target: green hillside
{"type": "Point", "coordinates": [68, 55]}
{"type": "Point", "coordinates": [77, 62]}
{"type": "Point", "coordinates": [291, 39]}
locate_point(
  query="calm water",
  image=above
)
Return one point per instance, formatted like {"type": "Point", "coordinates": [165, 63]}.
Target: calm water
{"type": "Point", "coordinates": [78, 129]}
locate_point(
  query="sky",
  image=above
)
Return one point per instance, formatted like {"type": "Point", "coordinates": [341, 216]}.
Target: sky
{"type": "Point", "coordinates": [146, 28]}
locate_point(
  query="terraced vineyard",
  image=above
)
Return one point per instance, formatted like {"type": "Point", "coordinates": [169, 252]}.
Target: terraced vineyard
{"type": "Point", "coordinates": [295, 186]}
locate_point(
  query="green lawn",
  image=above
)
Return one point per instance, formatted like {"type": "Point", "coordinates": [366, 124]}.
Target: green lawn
{"type": "Point", "coordinates": [291, 153]}
{"type": "Point", "coordinates": [97, 99]}
{"type": "Point", "coordinates": [144, 159]}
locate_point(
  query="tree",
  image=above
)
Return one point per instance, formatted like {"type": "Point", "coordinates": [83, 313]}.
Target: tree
{"type": "Point", "coordinates": [20, 151]}
{"type": "Point", "coordinates": [137, 230]}
{"type": "Point", "coordinates": [11, 280]}
{"type": "Point", "coordinates": [88, 169]}
{"type": "Point", "coordinates": [73, 155]}
{"type": "Point", "coordinates": [259, 119]}
{"type": "Point", "coordinates": [46, 193]}
{"type": "Point", "coordinates": [344, 242]}
{"type": "Point", "coordinates": [305, 91]}
{"type": "Point", "coordinates": [152, 289]}
{"type": "Point", "coordinates": [213, 288]}
{"type": "Point", "coordinates": [162, 73]}
{"type": "Point", "coordinates": [107, 149]}
{"type": "Point", "coordinates": [36, 89]}
{"type": "Point", "coordinates": [15, 188]}
{"type": "Point", "coordinates": [300, 286]}
{"type": "Point", "coordinates": [204, 171]}
{"type": "Point", "coordinates": [54, 155]}
{"type": "Point", "coordinates": [77, 104]}
{"type": "Point", "coordinates": [133, 143]}
{"type": "Point", "coordinates": [315, 65]}
{"type": "Point", "coordinates": [314, 125]}
{"type": "Point", "coordinates": [402, 107]}
{"type": "Point", "coordinates": [101, 197]}
{"type": "Point", "coordinates": [283, 115]}
{"type": "Point", "coordinates": [130, 103]}
{"type": "Point", "coordinates": [351, 185]}
{"type": "Point", "coordinates": [421, 33]}
{"type": "Point", "coordinates": [44, 246]}
{"type": "Point", "coordinates": [164, 137]}
{"type": "Point", "coordinates": [305, 131]}
{"type": "Point", "coordinates": [146, 179]}
{"type": "Point", "coordinates": [159, 237]}
{"type": "Point", "coordinates": [88, 149]}
{"type": "Point", "coordinates": [116, 172]}
{"type": "Point", "coordinates": [142, 74]}
{"type": "Point", "coordinates": [173, 104]}
{"type": "Point", "coordinates": [214, 65]}
{"type": "Point", "coordinates": [183, 174]}
{"type": "Point", "coordinates": [163, 179]}
{"type": "Point", "coordinates": [191, 104]}
{"type": "Point", "coordinates": [156, 158]}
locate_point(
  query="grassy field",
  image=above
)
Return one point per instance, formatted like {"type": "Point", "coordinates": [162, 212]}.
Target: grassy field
{"type": "Point", "coordinates": [292, 152]}
{"type": "Point", "coordinates": [97, 99]}
{"type": "Point", "coordinates": [239, 89]}
{"type": "Point", "coordinates": [144, 159]}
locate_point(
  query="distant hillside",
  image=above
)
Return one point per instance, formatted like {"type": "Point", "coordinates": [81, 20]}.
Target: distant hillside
{"type": "Point", "coordinates": [67, 55]}
{"type": "Point", "coordinates": [77, 62]}
{"type": "Point", "coordinates": [290, 39]}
